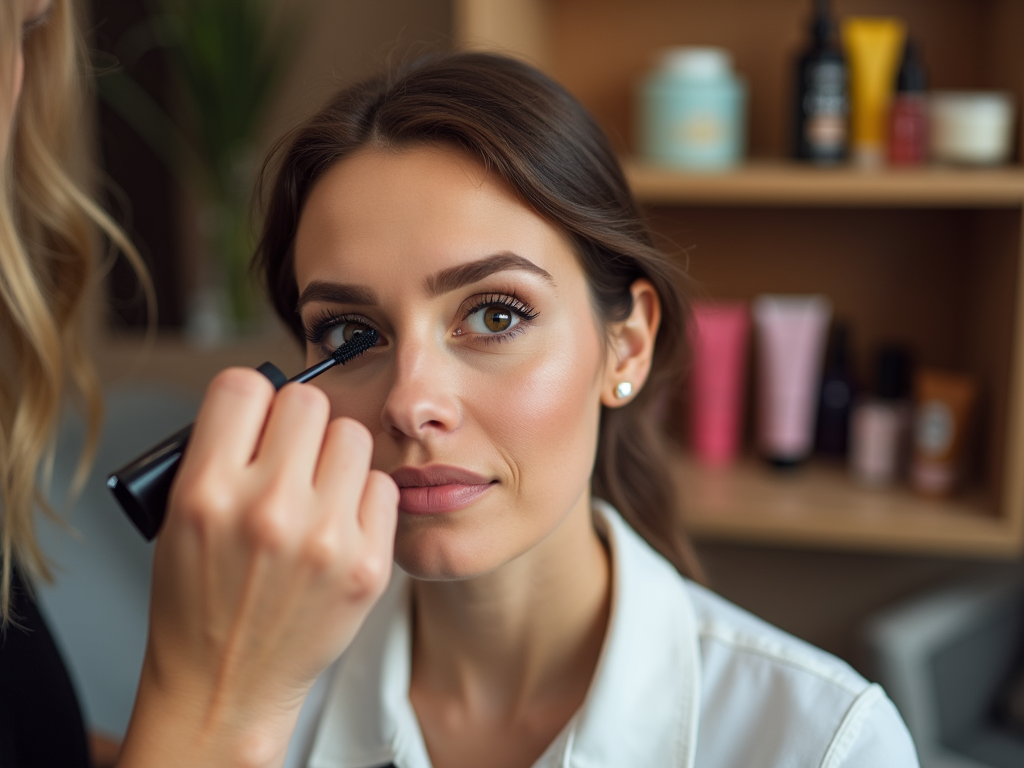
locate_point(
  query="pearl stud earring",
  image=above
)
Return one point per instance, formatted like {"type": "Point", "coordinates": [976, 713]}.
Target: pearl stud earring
{"type": "Point", "coordinates": [623, 390]}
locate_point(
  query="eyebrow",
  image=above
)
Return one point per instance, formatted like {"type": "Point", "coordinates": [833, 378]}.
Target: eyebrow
{"type": "Point", "coordinates": [445, 281]}
{"type": "Point", "coordinates": [336, 293]}
{"type": "Point", "coordinates": [466, 274]}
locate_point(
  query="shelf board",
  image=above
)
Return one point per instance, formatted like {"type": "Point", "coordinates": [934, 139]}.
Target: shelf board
{"type": "Point", "coordinates": [819, 506]}
{"type": "Point", "coordinates": [771, 183]}
{"type": "Point", "coordinates": [169, 360]}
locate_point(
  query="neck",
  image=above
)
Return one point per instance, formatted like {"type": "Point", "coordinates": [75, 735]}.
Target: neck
{"type": "Point", "coordinates": [526, 635]}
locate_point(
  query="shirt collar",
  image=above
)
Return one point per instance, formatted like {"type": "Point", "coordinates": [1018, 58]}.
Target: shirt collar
{"type": "Point", "coordinates": [642, 707]}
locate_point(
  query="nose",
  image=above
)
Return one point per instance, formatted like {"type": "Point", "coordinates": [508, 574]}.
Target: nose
{"type": "Point", "coordinates": [422, 401]}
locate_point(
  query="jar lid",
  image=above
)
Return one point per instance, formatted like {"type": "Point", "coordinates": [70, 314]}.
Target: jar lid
{"type": "Point", "coordinates": [976, 102]}
{"type": "Point", "coordinates": [696, 63]}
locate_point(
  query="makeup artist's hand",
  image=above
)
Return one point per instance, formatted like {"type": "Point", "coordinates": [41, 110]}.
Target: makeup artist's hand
{"type": "Point", "coordinates": [277, 542]}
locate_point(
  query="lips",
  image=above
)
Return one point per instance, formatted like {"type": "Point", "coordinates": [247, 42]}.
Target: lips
{"type": "Point", "coordinates": [437, 489]}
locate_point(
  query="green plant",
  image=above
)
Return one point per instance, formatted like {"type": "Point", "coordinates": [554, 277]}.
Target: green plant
{"type": "Point", "coordinates": [227, 59]}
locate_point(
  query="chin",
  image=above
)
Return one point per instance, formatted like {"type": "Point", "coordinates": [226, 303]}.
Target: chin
{"type": "Point", "coordinates": [437, 550]}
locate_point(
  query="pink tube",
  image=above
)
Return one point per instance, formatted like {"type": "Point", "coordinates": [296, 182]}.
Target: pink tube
{"type": "Point", "coordinates": [791, 342]}
{"type": "Point", "coordinates": [720, 335]}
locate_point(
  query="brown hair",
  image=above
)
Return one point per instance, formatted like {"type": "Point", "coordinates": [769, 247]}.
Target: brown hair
{"type": "Point", "coordinates": [546, 146]}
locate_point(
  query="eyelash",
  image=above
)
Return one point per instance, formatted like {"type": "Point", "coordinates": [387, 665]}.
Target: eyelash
{"type": "Point", "coordinates": [320, 324]}
{"type": "Point", "coordinates": [508, 301]}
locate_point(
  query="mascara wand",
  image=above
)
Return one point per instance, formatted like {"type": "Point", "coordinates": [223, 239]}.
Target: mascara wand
{"type": "Point", "coordinates": [142, 487]}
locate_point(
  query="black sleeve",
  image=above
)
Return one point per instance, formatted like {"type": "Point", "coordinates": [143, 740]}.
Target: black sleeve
{"type": "Point", "coordinates": [41, 725]}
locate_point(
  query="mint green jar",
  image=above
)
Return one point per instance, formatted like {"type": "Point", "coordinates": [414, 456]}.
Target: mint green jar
{"type": "Point", "coordinates": [692, 111]}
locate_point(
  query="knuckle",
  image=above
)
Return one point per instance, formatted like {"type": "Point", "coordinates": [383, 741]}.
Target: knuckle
{"type": "Point", "coordinates": [241, 382]}
{"type": "Point", "coordinates": [368, 577]}
{"type": "Point", "coordinates": [267, 527]}
{"type": "Point", "coordinates": [266, 533]}
{"type": "Point", "coordinates": [320, 554]}
{"type": "Point", "coordinates": [203, 502]}
{"type": "Point", "coordinates": [353, 434]}
{"type": "Point", "coordinates": [307, 396]}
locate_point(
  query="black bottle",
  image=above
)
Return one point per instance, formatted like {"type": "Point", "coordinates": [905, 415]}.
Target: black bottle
{"type": "Point", "coordinates": [821, 95]}
{"type": "Point", "coordinates": [836, 399]}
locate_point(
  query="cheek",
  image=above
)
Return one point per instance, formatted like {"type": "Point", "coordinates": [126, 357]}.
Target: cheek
{"type": "Point", "coordinates": [545, 413]}
{"type": "Point", "coordinates": [358, 395]}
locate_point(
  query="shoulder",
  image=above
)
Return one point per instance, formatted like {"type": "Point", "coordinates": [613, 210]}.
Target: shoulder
{"type": "Point", "coordinates": [795, 704]}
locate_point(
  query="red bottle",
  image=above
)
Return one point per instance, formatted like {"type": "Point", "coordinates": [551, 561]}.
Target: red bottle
{"type": "Point", "coordinates": [908, 116]}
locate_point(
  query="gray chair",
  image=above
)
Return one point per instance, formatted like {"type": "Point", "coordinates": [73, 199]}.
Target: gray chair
{"type": "Point", "coordinates": [944, 658]}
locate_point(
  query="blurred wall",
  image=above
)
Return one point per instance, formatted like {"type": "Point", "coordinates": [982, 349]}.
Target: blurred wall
{"type": "Point", "coordinates": [139, 191]}
{"type": "Point", "coordinates": [349, 39]}
{"type": "Point", "coordinates": [344, 40]}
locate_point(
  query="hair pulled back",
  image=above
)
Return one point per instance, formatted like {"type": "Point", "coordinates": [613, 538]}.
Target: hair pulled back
{"type": "Point", "coordinates": [531, 132]}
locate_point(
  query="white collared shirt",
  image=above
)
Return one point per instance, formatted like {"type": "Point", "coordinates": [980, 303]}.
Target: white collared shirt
{"type": "Point", "coordinates": [685, 679]}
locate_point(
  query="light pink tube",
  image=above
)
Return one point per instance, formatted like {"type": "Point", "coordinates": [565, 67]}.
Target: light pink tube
{"type": "Point", "coordinates": [720, 336]}
{"type": "Point", "coordinates": [791, 334]}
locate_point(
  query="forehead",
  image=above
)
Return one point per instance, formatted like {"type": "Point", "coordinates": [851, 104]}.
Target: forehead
{"type": "Point", "coordinates": [387, 213]}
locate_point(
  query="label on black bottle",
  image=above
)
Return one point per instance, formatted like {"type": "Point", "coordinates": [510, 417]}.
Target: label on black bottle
{"type": "Point", "coordinates": [825, 106]}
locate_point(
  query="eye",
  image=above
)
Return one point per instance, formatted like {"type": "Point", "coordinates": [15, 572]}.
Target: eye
{"type": "Point", "coordinates": [327, 331]}
{"type": "Point", "coordinates": [341, 333]}
{"type": "Point", "coordinates": [495, 318]}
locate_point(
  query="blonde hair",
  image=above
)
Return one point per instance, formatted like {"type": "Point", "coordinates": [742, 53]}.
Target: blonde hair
{"type": "Point", "coordinates": [48, 265]}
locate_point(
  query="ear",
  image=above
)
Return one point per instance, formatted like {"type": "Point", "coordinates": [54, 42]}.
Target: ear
{"type": "Point", "coordinates": [631, 346]}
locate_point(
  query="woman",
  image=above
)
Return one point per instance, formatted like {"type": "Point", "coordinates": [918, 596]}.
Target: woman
{"type": "Point", "coordinates": [242, 581]}
{"type": "Point", "coordinates": [469, 210]}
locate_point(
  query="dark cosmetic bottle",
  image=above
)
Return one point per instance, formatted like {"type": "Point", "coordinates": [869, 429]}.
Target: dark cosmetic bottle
{"type": "Point", "coordinates": [837, 392]}
{"type": "Point", "coordinates": [821, 96]}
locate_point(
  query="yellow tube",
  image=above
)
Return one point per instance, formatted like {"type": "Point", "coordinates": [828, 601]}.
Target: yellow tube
{"type": "Point", "coordinates": [873, 48]}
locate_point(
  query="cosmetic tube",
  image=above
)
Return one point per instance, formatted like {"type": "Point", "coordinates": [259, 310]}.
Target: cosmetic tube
{"type": "Point", "coordinates": [944, 406]}
{"type": "Point", "coordinates": [791, 341]}
{"type": "Point", "coordinates": [720, 336]}
{"type": "Point", "coordinates": [873, 49]}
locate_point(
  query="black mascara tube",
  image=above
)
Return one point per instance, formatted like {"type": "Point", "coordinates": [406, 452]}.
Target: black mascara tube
{"type": "Point", "coordinates": [143, 486]}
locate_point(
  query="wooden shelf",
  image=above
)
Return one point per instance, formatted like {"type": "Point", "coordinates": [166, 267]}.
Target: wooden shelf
{"type": "Point", "coordinates": [933, 256]}
{"type": "Point", "coordinates": [818, 506]}
{"type": "Point", "coordinates": [778, 183]}
{"type": "Point", "coordinates": [170, 361]}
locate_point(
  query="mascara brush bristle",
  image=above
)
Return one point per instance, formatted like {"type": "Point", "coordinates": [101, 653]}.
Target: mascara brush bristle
{"type": "Point", "coordinates": [355, 346]}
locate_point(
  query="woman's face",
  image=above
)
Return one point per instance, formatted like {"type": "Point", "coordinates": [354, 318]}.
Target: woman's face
{"type": "Point", "coordinates": [484, 393]}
